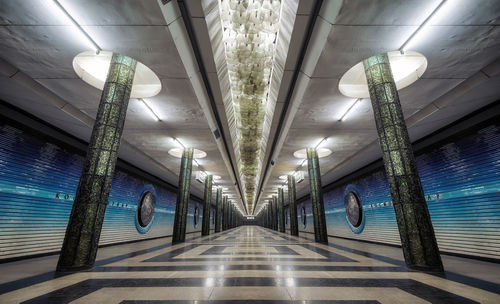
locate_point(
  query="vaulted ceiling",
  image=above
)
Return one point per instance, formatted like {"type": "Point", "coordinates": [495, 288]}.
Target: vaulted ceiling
{"type": "Point", "coordinates": [217, 97]}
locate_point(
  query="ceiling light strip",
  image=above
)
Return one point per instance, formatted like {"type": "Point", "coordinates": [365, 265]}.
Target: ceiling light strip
{"type": "Point", "coordinates": [424, 24]}
{"type": "Point", "coordinates": [350, 108]}
{"type": "Point", "coordinates": [97, 48]}
{"type": "Point", "coordinates": [153, 114]}
{"type": "Point", "coordinates": [320, 142]}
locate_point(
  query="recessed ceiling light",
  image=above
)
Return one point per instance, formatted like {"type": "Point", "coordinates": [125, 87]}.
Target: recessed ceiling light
{"type": "Point", "coordinates": [177, 152]}
{"type": "Point", "coordinates": [417, 34]}
{"type": "Point", "coordinates": [149, 109]}
{"type": "Point", "coordinates": [343, 117]}
{"type": "Point", "coordinates": [216, 177]}
{"type": "Point", "coordinates": [302, 154]}
{"type": "Point", "coordinates": [406, 69]}
{"type": "Point", "coordinates": [64, 15]}
{"type": "Point", "coordinates": [93, 69]}
{"type": "Point", "coordinates": [283, 177]}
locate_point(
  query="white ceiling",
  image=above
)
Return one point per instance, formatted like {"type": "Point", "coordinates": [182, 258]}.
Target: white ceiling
{"type": "Point", "coordinates": [461, 44]}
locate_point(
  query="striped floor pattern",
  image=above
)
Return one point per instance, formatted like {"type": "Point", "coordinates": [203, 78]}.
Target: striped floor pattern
{"type": "Point", "coordinates": [248, 264]}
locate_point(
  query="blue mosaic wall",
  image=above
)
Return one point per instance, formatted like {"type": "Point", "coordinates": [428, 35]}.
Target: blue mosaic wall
{"type": "Point", "coordinates": [38, 181]}
{"type": "Point", "coordinates": [461, 181]}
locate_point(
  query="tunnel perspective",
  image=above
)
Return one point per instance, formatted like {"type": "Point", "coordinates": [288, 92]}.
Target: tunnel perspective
{"type": "Point", "coordinates": [249, 151]}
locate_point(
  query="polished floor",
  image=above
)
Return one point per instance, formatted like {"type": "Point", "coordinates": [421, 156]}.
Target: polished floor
{"type": "Point", "coordinates": [249, 264]}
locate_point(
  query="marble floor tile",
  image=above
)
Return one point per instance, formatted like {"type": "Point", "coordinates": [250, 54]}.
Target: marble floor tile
{"type": "Point", "coordinates": [249, 265]}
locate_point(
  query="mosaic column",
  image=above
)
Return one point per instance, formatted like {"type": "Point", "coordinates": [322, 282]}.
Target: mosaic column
{"type": "Point", "coordinates": [179, 234]}
{"type": "Point", "coordinates": [275, 213]}
{"type": "Point", "coordinates": [419, 244]}
{"type": "Point", "coordinates": [320, 233]}
{"type": "Point", "coordinates": [205, 224]}
{"type": "Point", "coordinates": [270, 213]}
{"type": "Point", "coordinates": [281, 210]}
{"type": "Point", "coordinates": [266, 216]}
{"type": "Point", "coordinates": [292, 205]}
{"type": "Point", "coordinates": [235, 214]}
{"type": "Point", "coordinates": [224, 213]}
{"type": "Point", "coordinates": [233, 221]}
{"type": "Point", "coordinates": [83, 231]}
{"type": "Point", "coordinates": [218, 209]}
{"type": "Point", "coordinates": [230, 220]}
{"type": "Point", "coordinates": [228, 212]}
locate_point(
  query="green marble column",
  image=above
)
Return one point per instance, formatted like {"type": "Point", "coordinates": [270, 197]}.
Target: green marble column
{"type": "Point", "coordinates": [281, 210]}
{"type": "Point", "coordinates": [179, 233]}
{"type": "Point", "coordinates": [218, 210]}
{"type": "Point", "coordinates": [292, 205]}
{"type": "Point", "coordinates": [320, 233]}
{"type": "Point", "coordinates": [83, 231]}
{"type": "Point", "coordinates": [419, 244]}
{"type": "Point", "coordinates": [205, 224]}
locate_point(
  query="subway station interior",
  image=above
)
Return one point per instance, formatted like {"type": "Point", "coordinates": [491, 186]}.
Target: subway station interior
{"type": "Point", "coordinates": [249, 151]}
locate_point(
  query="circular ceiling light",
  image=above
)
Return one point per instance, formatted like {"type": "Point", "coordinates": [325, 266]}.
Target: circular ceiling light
{"type": "Point", "coordinates": [93, 69]}
{"type": "Point", "coordinates": [406, 69]}
{"type": "Point", "coordinates": [322, 152]}
{"type": "Point", "coordinates": [177, 152]}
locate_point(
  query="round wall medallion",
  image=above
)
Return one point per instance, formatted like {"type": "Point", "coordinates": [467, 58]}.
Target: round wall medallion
{"type": "Point", "coordinates": [196, 216]}
{"type": "Point", "coordinates": [303, 216]}
{"type": "Point", "coordinates": [146, 209]}
{"type": "Point", "coordinates": [353, 210]}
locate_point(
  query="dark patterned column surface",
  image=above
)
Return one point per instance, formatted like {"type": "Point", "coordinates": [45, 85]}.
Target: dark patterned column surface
{"type": "Point", "coordinates": [230, 220]}
{"type": "Point", "coordinates": [318, 208]}
{"type": "Point", "coordinates": [224, 212]}
{"type": "Point", "coordinates": [275, 213]}
{"type": "Point", "coordinates": [84, 227]}
{"type": "Point", "coordinates": [179, 233]}
{"type": "Point", "coordinates": [292, 205]}
{"type": "Point", "coordinates": [218, 210]}
{"type": "Point", "coordinates": [268, 214]}
{"type": "Point", "coordinates": [281, 210]}
{"type": "Point", "coordinates": [205, 224]}
{"type": "Point", "coordinates": [419, 244]}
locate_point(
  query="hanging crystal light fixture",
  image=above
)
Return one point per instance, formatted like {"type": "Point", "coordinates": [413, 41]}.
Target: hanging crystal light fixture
{"type": "Point", "coordinates": [250, 31]}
